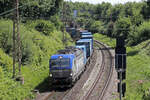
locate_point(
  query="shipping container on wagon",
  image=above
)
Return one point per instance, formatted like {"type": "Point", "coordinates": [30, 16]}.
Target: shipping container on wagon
{"type": "Point", "coordinates": [87, 43]}
{"type": "Point", "coordinates": [86, 33]}
{"type": "Point", "coordinates": [88, 37]}
{"type": "Point", "coordinates": [83, 47]}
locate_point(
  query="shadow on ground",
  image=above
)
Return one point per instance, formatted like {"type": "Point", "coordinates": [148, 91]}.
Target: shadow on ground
{"type": "Point", "coordinates": [46, 86]}
{"type": "Point", "coordinates": [132, 53]}
{"type": "Point", "coordinates": [110, 48]}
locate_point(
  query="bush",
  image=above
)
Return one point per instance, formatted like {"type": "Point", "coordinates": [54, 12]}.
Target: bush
{"type": "Point", "coordinates": [144, 31]}
{"type": "Point", "coordinates": [1, 72]}
{"type": "Point", "coordinates": [5, 62]}
{"type": "Point", "coordinates": [46, 27]}
{"type": "Point", "coordinates": [36, 51]}
{"type": "Point", "coordinates": [6, 35]}
{"type": "Point", "coordinates": [122, 27]}
{"type": "Point", "coordinates": [139, 34]}
{"type": "Point", "coordinates": [57, 22]}
{"type": "Point", "coordinates": [97, 27]}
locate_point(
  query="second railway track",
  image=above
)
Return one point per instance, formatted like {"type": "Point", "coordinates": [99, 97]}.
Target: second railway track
{"type": "Point", "coordinates": [97, 91]}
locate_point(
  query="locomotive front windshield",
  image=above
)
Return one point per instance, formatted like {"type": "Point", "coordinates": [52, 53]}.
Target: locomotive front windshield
{"type": "Point", "coordinates": [65, 62]}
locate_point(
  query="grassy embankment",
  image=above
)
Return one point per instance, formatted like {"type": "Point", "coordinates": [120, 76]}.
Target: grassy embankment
{"type": "Point", "coordinates": [138, 69]}
{"type": "Point", "coordinates": [40, 39]}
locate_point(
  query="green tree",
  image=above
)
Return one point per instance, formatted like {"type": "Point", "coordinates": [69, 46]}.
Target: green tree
{"type": "Point", "coordinates": [145, 9]}
{"type": "Point", "coordinates": [122, 27]}
{"type": "Point", "coordinates": [110, 28]}
{"type": "Point", "coordinates": [97, 27]}
{"type": "Point", "coordinates": [33, 8]}
{"type": "Point", "coordinates": [101, 10]}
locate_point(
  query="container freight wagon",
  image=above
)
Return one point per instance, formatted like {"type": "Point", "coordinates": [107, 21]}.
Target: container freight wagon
{"type": "Point", "coordinates": [91, 45]}
{"type": "Point", "coordinates": [83, 31]}
{"type": "Point", "coordinates": [74, 33]}
{"type": "Point", "coordinates": [83, 47]}
{"type": "Point", "coordinates": [88, 37]}
{"type": "Point", "coordinates": [88, 45]}
{"type": "Point", "coordinates": [86, 33]}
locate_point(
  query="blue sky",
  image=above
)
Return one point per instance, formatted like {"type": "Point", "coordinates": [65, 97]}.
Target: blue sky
{"type": "Point", "coordinates": [100, 1]}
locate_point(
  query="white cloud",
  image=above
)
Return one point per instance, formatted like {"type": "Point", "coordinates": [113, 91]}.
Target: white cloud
{"type": "Point", "coordinates": [100, 1]}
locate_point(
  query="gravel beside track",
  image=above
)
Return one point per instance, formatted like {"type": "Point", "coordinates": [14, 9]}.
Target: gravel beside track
{"type": "Point", "coordinates": [99, 89]}
{"type": "Point", "coordinates": [72, 95]}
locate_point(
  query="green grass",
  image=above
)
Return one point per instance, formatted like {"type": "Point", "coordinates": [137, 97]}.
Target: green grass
{"type": "Point", "coordinates": [103, 38]}
{"type": "Point", "coordinates": [37, 47]}
{"type": "Point", "coordinates": [138, 69]}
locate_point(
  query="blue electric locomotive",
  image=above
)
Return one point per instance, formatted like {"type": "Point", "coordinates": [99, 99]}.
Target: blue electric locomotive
{"type": "Point", "coordinates": [66, 67]}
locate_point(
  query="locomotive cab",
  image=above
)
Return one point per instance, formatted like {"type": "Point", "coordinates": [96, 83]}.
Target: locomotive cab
{"type": "Point", "coordinates": [61, 67]}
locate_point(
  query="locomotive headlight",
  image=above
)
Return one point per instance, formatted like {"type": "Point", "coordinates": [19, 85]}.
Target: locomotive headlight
{"type": "Point", "coordinates": [50, 75]}
{"type": "Point", "coordinates": [71, 74]}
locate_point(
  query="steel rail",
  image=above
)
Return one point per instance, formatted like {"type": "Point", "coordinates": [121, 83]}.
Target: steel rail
{"type": "Point", "coordinates": [109, 76]}
{"type": "Point", "coordinates": [99, 76]}
{"type": "Point", "coordinates": [63, 94]}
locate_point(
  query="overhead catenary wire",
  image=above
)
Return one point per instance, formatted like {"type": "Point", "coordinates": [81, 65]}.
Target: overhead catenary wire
{"type": "Point", "coordinates": [11, 10]}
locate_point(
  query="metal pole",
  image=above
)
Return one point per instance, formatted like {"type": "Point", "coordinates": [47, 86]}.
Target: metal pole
{"type": "Point", "coordinates": [18, 37]}
{"type": "Point", "coordinates": [65, 22]}
{"type": "Point", "coordinates": [111, 27]}
{"type": "Point", "coordinates": [16, 41]}
{"type": "Point", "coordinates": [14, 47]}
{"type": "Point", "coordinates": [121, 70]}
{"type": "Point", "coordinates": [120, 84]}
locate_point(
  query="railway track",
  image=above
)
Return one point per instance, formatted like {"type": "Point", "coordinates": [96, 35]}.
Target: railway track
{"type": "Point", "coordinates": [100, 84]}
{"type": "Point", "coordinates": [59, 95]}
{"type": "Point", "coordinates": [103, 79]}
{"type": "Point", "coordinates": [55, 95]}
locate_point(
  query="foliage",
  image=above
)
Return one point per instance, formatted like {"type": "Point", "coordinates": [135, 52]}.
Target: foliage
{"type": "Point", "coordinates": [138, 74]}
{"type": "Point", "coordinates": [145, 9]}
{"type": "Point", "coordinates": [112, 20]}
{"type": "Point", "coordinates": [46, 27]}
{"type": "Point", "coordinates": [103, 38]}
{"type": "Point", "coordinates": [97, 27]}
{"type": "Point", "coordinates": [122, 27]}
{"type": "Point", "coordinates": [84, 13]}
{"type": "Point", "coordinates": [140, 33]}
{"type": "Point", "coordinates": [6, 36]}
{"type": "Point", "coordinates": [33, 9]}
{"type": "Point", "coordinates": [101, 10]}
{"type": "Point", "coordinates": [57, 22]}
{"type": "Point", "coordinates": [36, 51]}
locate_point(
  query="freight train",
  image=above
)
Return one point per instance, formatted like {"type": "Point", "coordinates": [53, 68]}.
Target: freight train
{"type": "Point", "coordinates": [68, 65]}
